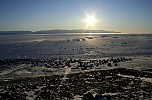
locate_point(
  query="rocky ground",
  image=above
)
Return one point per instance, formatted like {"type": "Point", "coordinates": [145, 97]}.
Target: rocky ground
{"type": "Point", "coordinates": [75, 79]}
{"type": "Point", "coordinates": [119, 84]}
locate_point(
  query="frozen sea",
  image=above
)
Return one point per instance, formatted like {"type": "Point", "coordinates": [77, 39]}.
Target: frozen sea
{"type": "Point", "coordinates": [83, 45]}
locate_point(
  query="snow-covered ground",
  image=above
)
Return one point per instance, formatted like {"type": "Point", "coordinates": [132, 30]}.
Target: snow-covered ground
{"type": "Point", "coordinates": [74, 46]}
{"type": "Point", "coordinates": [137, 47]}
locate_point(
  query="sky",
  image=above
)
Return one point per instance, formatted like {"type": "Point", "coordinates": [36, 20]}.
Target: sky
{"type": "Point", "coordinates": [128, 16]}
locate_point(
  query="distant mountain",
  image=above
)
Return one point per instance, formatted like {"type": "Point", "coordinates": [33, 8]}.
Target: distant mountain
{"type": "Point", "coordinates": [56, 31]}
{"type": "Point", "coordinates": [15, 32]}
{"type": "Point", "coordinates": [75, 31]}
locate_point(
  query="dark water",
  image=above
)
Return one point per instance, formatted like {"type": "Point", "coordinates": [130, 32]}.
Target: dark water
{"type": "Point", "coordinates": [74, 46]}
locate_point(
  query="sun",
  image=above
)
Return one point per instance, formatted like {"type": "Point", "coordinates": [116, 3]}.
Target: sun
{"type": "Point", "coordinates": [90, 21]}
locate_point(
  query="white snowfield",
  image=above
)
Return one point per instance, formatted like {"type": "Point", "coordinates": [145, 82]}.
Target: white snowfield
{"type": "Point", "coordinates": [74, 46]}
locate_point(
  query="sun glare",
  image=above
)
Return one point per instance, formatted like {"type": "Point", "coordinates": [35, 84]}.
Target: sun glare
{"type": "Point", "coordinates": [90, 21]}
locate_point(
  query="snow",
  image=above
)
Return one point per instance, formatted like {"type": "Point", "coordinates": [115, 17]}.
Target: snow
{"type": "Point", "coordinates": [142, 78]}
{"type": "Point", "coordinates": [137, 47]}
{"type": "Point", "coordinates": [13, 69]}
